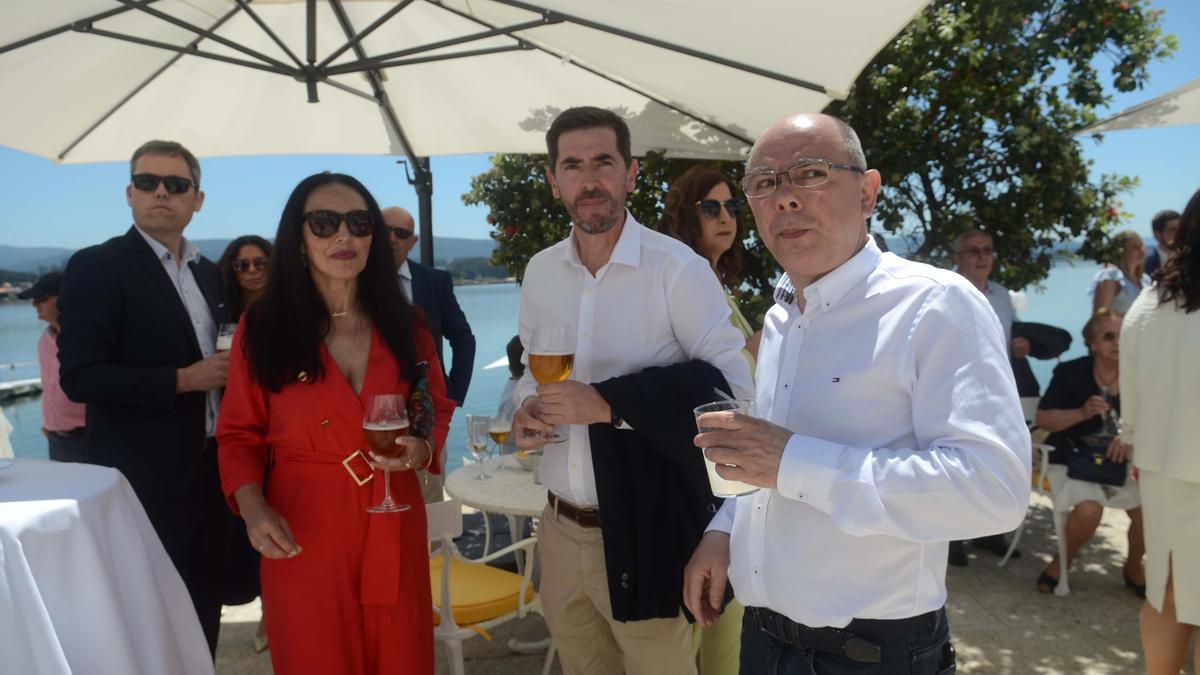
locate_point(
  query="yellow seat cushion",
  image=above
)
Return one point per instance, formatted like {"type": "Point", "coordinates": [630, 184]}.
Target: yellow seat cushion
{"type": "Point", "coordinates": [479, 592]}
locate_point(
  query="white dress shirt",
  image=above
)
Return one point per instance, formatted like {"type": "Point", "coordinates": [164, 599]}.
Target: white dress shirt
{"type": "Point", "coordinates": [654, 303]}
{"type": "Point", "coordinates": [908, 434]}
{"type": "Point", "coordinates": [197, 308]}
{"type": "Point", "coordinates": [1160, 387]}
{"type": "Point", "coordinates": [406, 281]}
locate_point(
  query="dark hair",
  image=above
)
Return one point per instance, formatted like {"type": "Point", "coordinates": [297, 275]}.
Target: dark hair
{"type": "Point", "coordinates": [171, 149]}
{"type": "Point", "coordinates": [1179, 279]}
{"type": "Point", "coordinates": [285, 328]}
{"type": "Point", "coordinates": [1089, 328]}
{"type": "Point", "coordinates": [681, 219]}
{"type": "Point", "coordinates": [515, 349]}
{"type": "Point", "coordinates": [235, 301]}
{"type": "Point", "coordinates": [1160, 220]}
{"type": "Point", "coordinates": [587, 117]}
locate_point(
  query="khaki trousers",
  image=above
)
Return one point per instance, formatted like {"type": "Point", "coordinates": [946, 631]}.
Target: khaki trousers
{"type": "Point", "coordinates": [574, 592]}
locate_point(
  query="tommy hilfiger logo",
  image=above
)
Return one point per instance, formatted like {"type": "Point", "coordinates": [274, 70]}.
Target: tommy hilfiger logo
{"type": "Point", "coordinates": [837, 379]}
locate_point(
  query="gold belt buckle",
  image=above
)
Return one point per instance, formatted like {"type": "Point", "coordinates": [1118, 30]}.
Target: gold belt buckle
{"type": "Point", "coordinates": [354, 474]}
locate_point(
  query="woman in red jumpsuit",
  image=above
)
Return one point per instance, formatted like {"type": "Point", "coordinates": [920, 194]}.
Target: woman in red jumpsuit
{"type": "Point", "coordinates": [347, 590]}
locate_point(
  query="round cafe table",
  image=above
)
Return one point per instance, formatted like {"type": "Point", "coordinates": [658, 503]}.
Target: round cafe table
{"type": "Point", "coordinates": [511, 491]}
{"type": "Point", "coordinates": [85, 584]}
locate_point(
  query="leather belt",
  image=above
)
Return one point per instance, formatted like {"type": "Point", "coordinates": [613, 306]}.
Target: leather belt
{"type": "Point", "coordinates": [858, 641]}
{"type": "Point", "coordinates": [70, 433]}
{"type": "Point", "coordinates": [577, 514]}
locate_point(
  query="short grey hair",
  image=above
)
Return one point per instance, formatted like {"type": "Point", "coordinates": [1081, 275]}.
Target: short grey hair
{"type": "Point", "coordinates": [172, 149]}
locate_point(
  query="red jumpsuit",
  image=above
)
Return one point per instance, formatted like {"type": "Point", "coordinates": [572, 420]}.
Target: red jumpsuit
{"type": "Point", "coordinates": [356, 601]}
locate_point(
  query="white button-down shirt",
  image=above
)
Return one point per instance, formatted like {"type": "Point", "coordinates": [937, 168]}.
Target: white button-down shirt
{"type": "Point", "coordinates": [654, 303]}
{"type": "Point", "coordinates": [406, 281]}
{"type": "Point", "coordinates": [197, 308]}
{"type": "Point", "coordinates": [908, 434]}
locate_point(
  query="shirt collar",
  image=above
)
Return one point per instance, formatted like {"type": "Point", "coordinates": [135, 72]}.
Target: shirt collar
{"type": "Point", "coordinates": [404, 271]}
{"type": "Point", "coordinates": [831, 288]}
{"type": "Point", "coordinates": [190, 251]}
{"type": "Point", "coordinates": [628, 250]}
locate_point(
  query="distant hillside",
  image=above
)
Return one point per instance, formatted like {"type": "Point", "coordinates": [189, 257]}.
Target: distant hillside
{"type": "Point", "coordinates": [44, 258]}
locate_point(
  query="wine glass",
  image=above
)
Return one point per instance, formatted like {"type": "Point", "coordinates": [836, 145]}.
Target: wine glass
{"type": "Point", "coordinates": [551, 358]}
{"type": "Point", "coordinates": [477, 438]}
{"type": "Point", "coordinates": [384, 420]}
{"type": "Point", "coordinates": [499, 428]}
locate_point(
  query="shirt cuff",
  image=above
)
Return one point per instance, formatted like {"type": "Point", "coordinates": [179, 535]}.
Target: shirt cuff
{"type": "Point", "coordinates": [807, 471]}
{"type": "Point", "coordinates": [723, 521]}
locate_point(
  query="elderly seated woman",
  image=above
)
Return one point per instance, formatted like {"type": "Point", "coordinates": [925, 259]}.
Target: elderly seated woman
{"type": "Point", "coordinates": [1079, 409]}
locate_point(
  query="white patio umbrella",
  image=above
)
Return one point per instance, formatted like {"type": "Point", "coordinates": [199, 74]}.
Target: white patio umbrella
{"type": "Point", "coordinates": [88, 80]}
{"type": "Point", "coordinates": [1178, 106]}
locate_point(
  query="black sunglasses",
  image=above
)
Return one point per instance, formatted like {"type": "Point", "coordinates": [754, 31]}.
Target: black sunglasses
{"type": "Point", "coordinates": [711, 208]}
{"type": "Point", "coordinates": [325, 224]}
{"type": "Point", "coordinates": [401, 233]}
{"type": "Point", "coordinates": [245, 265]}
{"type": "Point", "coordinates": [148, 182]}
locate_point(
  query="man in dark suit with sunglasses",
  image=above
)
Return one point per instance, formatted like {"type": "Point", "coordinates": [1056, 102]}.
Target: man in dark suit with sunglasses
{"type": "Point", "coordinates": [432, 290]}
{"type": "Point", "coordinates": [139, 317]}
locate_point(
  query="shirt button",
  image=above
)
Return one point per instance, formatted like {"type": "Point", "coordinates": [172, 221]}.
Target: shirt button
{"type": "Point", "coordinates": [787, 386]}
{"type": "Point", "coordinates": [325, 423]}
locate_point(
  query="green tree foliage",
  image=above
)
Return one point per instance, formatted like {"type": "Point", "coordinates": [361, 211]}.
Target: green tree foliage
{"type": "Point", "coordinates": [474, 268]}
{"type": "Point", "coordinates": [12, 276]}
{"type": "Point", "coordinates": [969, 115]}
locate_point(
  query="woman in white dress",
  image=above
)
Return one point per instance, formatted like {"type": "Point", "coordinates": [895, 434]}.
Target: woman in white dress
{"type": "Point", "coordinates": [1117, 286]}
{"type": "Point", "coordinates": [1160, 376]}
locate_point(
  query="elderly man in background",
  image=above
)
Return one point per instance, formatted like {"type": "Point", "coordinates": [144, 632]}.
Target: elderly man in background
{"type": "Point", "coordinates": [888, 425]}
{"type": "Point", "coordinates": [62, 419]}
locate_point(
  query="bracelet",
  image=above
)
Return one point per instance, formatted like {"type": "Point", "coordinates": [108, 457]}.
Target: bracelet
{"type": "Point", "coordinates": [432, 452]}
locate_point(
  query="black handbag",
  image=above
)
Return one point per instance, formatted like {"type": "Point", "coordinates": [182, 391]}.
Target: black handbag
{"type": "Point", "coordinates": [1090, 463]}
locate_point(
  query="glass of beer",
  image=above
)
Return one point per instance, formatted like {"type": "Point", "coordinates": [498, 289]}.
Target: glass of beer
{"type": "Point", "coordinates": [384, 420]}
{"type": "Point", "coordinates": [225, 336]}
{"type": "Point", "coordinates": [724, 487]}
{"type": "Point", "coordinates": [551, 358]}
{"type": "Point", "coordinates": [477, 438]}
{"type": "Point", "coordinates": [499, 428]}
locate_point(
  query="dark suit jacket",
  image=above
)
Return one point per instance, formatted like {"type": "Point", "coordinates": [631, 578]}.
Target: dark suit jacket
{"type": "Point", "coordinates": [655, 499]}
{"type": "Point", "coordinates": [433, 292]}
{"type": "Point", "coordinates": [125, 331]}
{"type": "Point", "coordinates": [1153, 259]}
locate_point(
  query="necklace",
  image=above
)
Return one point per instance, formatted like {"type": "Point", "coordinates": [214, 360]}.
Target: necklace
{"type": "Point", "coordinates": [338, 315]}
{"type": "Point", "coordinates": [1104, 382]}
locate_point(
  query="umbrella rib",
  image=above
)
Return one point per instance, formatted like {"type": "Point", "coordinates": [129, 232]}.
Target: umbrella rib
{"type": "Point", "coordinates": [450, 42]}
{"type": "Point", "coordinates": [190, 50]}
{"type": "Point", "coordinates": [141, 6]}
{"type": "Point", "coordinates": [245, 5]}
{"type": "Point", "coordinates": [613, 80]}
{"type": "Point", "coordinates": [663, 44]}
{"type": "Point", "coordinates": [63, 29]}
{"type": "Point", "coordinates": [134, 92]}
{"type": "Point", "coordinates": [355, 40]}
{"type": "Point", "coordinates": [372, 64]}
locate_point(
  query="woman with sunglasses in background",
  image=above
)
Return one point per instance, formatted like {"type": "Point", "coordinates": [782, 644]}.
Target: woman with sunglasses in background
{"type": "Point", "coordinates": [345, 590]}
{"type": "Point", "coordinates": [700, 210]}
{"type": "Point", "coordinates": [1081, 409]}
{"type": "Point", "coordinates": [244, 266]}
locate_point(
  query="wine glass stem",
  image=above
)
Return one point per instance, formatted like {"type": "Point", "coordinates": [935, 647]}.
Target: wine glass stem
{"type": "Point", "coordinates": [387, 486]}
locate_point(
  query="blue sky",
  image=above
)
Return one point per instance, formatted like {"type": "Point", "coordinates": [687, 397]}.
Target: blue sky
{"type": "Point", "coordinates": [76, 205]}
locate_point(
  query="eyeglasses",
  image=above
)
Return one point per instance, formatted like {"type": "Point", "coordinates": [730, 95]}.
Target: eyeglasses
{"type": "Point", "coordinates": [325, 224]}
{"type": "Point", "coordinates": [711, 208]}
{"type": "Point", "coordinates": [245, 265]}
{"type": "Point", "coordinates": [976, 251]}
{"type": "Point", "coordinates": [148, 182]}
{"type": "Point", "coordinates": [401, 233]}
{"type": "Point", "coordinates": [805, 174]}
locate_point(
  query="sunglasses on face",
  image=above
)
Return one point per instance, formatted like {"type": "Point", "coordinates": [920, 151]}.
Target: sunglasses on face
{"type": "Point", "coordinates": [401, 233]}
{"type": "Point", "coordinates": [325, 224]}
{"type": "Point", "coordinates": [711, 208]}
{"type": "Point", "coordinates": [148, 182]}
{"type": "Point", "coordinates": [37, 300]}
{"type": "Point", "coordinates": [245, 265]}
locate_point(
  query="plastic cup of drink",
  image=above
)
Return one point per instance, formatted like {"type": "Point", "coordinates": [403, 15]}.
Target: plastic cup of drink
{"type": "Point", "coordinates": [723, 487]}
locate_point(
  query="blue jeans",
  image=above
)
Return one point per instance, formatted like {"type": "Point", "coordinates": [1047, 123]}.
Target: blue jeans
{"type": "Point", "coordinates": [925, 650]}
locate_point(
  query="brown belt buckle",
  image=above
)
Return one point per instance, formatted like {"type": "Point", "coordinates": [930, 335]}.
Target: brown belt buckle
{"type": "Point", "coordinates": [354, 474]}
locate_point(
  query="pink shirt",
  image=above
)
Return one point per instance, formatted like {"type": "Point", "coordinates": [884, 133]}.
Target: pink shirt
{"type": "Point", "coordinates": [59, 413]}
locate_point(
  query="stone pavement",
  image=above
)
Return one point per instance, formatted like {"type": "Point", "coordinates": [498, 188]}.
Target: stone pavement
{"type": "Point", "coordinates": [1000, 623]}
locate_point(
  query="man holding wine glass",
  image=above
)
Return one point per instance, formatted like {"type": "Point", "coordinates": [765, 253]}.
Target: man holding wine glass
{"type": "Point", "coordinates": [888, 425]}
{"type": "Point", "coordinates": [603, 314]}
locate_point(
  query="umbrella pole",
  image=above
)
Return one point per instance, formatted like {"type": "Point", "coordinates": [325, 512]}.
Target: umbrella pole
{"type": "Point", "coordinates": [422, 182]}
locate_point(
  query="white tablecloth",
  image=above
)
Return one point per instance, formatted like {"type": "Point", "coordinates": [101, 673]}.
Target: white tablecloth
{"type": "Point", "coordinates": [510, 490]}
{"type": "Point", "coordinates": [85, 585]}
